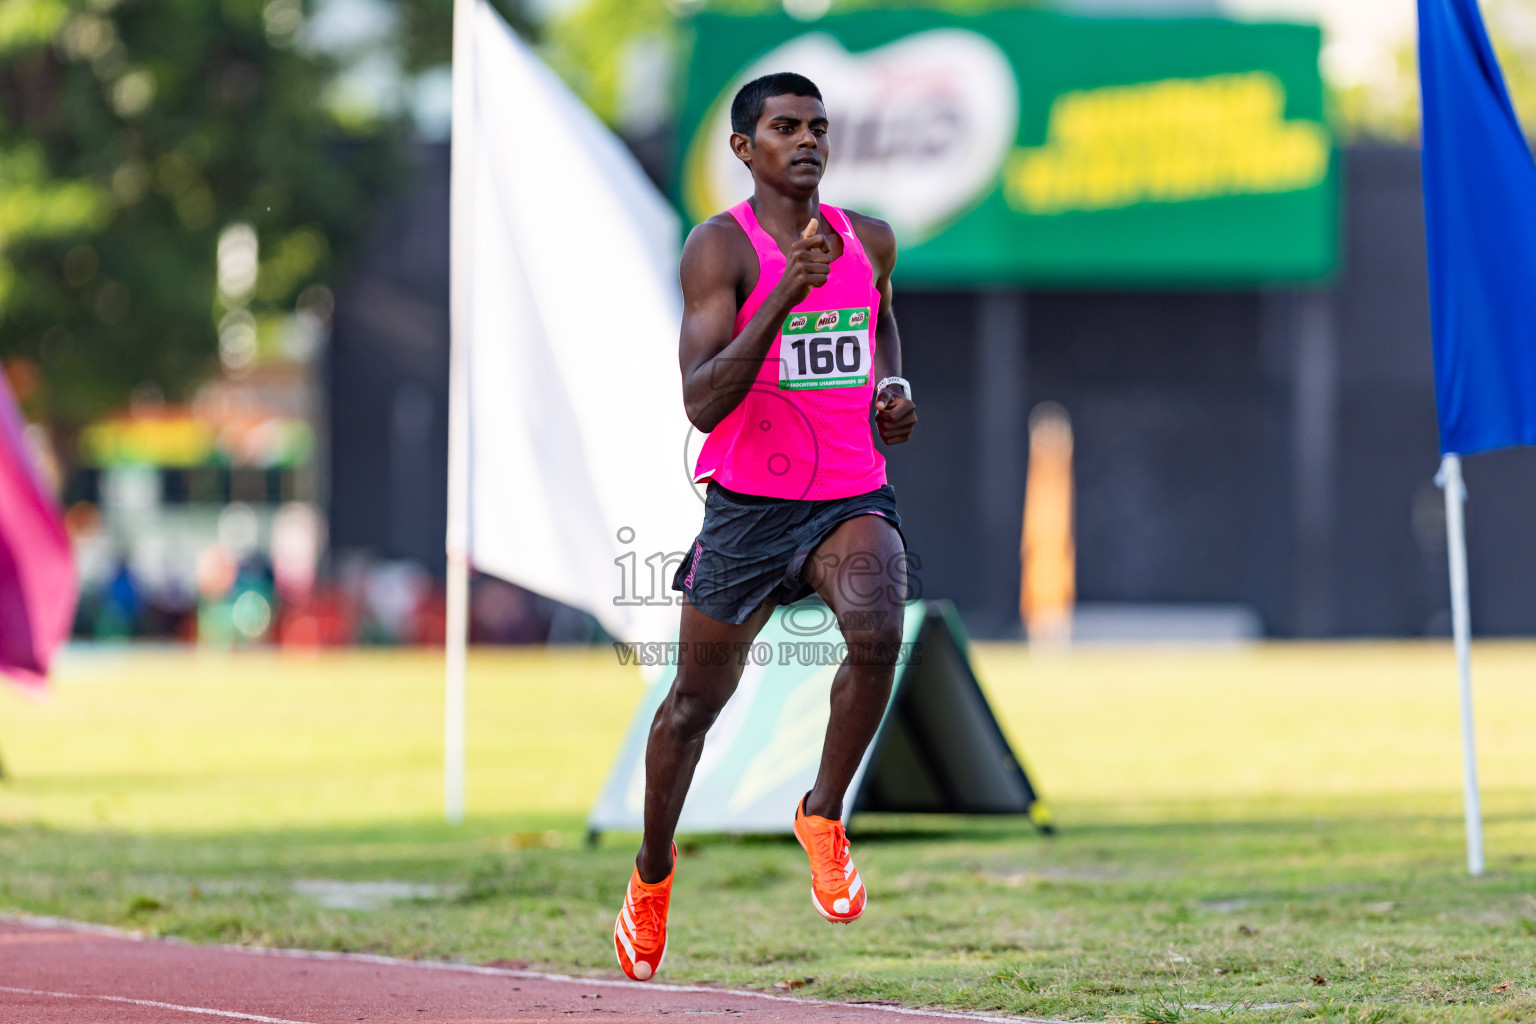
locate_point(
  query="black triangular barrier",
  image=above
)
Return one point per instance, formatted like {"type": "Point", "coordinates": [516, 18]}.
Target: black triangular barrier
{"type": "Point", "coordinates": [940, 749]}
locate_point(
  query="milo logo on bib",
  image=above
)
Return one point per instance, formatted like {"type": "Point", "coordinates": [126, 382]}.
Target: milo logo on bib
{"type": "Point", "coordinates": [829, 349]}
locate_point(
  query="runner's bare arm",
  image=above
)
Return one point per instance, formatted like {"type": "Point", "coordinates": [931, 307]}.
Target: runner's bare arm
{"type": "Point", "coordinates": [895, 415]}
{"type": "Point", "coordinates": [718, 370]}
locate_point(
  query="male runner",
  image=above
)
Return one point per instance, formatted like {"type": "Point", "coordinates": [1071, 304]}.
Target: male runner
{"type": "Point", "coordinates": [787, 328]}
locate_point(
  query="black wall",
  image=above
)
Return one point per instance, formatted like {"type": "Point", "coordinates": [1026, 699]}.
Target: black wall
{"type": "Point", "coordinates": [1270, 448]}
{"type": "Point", "coordinates": [387, 370]}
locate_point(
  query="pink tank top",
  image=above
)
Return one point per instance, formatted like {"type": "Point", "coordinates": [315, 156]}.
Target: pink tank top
{"type": "Point", "coordinates": [803, 431]}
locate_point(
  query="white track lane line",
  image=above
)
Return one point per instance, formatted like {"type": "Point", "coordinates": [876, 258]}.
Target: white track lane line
{"type": "Point", "coordinates": [107, 931]}
{"type": "Point", "coordinates": [154, 1003]}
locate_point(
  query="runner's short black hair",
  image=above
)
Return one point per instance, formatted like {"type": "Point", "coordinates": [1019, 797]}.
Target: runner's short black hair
{"type": "Point", "coordinates": [747, 107]}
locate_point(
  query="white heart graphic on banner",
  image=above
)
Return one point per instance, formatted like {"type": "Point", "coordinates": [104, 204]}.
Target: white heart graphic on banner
{"type": "Point", "coordinates": [920, 127]}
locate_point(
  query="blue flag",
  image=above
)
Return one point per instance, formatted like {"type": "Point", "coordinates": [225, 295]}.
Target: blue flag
{"type": "Point", "coordinates": [1480, 214]}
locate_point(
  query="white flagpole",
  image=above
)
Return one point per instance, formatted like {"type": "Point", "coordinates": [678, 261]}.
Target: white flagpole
{"type": "Point", "coordinates": [461, 253]}
{"type": "Point", "coordinates": [1461, 626]}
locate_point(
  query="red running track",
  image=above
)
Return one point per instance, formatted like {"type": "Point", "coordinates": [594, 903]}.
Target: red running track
{"type": "Point", "coordinates": [55, 972]}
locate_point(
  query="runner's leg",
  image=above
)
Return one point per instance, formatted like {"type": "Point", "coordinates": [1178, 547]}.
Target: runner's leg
{"type": "Point", "coordinates": [859, 569]}
{"type": "Point", "coordinates": [677, 732]}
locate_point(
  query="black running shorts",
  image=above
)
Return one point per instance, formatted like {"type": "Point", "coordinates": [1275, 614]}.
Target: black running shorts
{"type": "Point", "coordinates": [753, 548]}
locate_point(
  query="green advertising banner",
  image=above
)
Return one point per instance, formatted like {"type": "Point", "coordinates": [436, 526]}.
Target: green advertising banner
{"type": "Point", "coordinates": [1027, 146]}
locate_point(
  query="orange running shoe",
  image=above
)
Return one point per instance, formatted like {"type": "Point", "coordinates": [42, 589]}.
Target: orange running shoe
{"type": "Point", "coordinates": [836, 889]}
{"type": "Point", "coordinates": [640, 933]}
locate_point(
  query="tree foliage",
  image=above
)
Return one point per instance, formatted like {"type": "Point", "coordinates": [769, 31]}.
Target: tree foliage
{"type": "Point", "coordinates": [1384, 105]}
{"type": "Point", "coordinates": [590, 47]}
{"type": "Point", "coordinates": [426, 29]}
{"type": "Point", "coordinates": [133, 133]}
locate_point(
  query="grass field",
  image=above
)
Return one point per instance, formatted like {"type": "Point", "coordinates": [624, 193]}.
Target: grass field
{"type": "Point", "coordinates": [1233, 826]}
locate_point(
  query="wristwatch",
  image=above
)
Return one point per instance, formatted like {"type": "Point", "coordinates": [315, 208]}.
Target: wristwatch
{"type": "Point", "coordinates": [901, 381]}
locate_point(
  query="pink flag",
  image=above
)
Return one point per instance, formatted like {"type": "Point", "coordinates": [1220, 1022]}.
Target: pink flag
{"type": "Point", "coordinates": [37, 568]}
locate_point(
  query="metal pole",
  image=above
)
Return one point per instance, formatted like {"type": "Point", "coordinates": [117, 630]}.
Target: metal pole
{"type": "Point", "coordinates": [461, 254]}
{"type": "Point", "coordinates": [1461, 627]}
{"type": "Point", "coordinates": [1314, 439]}
{"type": "Point", "coordinates": [998, 382]}
{"type": "Point", "coordinates": [453, 695]}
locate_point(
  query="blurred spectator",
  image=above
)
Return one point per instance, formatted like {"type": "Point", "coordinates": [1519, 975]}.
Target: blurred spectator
{"type": "Point", "coordinates": [429, 620]}
{"type": "Point", "coordinates": [120, 607]}
{"type": "Point", "coordinates": [503, 613]}
{"type": "Point", "coordinates": [298, 537]}
{"type": "Point", "coordinates": [327, 617]}
{"type": "Point", "coordinates": [256, 582]}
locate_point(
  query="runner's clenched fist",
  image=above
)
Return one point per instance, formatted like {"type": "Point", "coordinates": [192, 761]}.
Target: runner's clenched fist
{"type": "Point", "coordinates": [807, 265]}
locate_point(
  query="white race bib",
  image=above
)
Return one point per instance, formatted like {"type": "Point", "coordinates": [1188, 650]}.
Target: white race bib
{"type": "Point", "coordinates": [828, 349]}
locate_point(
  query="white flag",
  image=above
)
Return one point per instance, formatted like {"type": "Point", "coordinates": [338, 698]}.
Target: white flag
{"type": "Point", "coordinates": [578, 477]}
